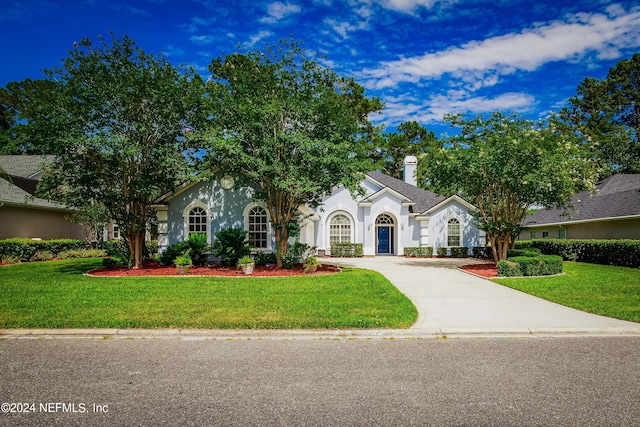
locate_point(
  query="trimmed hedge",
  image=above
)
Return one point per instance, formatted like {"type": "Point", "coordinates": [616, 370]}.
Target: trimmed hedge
{"type": "Point", "coordinates": [624, 253]}
{"type": "Point", "coordinates": [25, 249]}
{"type": "Point", "coordinates": [541, 265]}
{"type": "Point", "coordinates": [530, 252]}
{"type": "Point", "coordinates": [347, 250]}
{"type": "Point", "coordinates": [460, 252]}
{"type": "Point", "coordinates": [420, 252]}
{"type": "Point", "coordinates": [482, 252]}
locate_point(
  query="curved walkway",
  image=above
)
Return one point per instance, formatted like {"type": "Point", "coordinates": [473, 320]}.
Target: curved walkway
{"type": "Point", "coordinates": [451, 302]}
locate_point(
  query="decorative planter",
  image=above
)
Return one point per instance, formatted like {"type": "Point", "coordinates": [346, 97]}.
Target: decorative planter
{"type": "Point", "coordinates": [311, 269]}
{"type": "Point", "coordinates": [247, 268]}
{"type": "Point", "coordinates": [183, 269]}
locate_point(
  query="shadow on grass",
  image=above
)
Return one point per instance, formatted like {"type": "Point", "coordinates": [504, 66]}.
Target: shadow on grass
{"type": "Point", "coordinates": [76, 267]}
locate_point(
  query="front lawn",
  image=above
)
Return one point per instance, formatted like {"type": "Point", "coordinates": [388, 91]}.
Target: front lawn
{"type": "Point", "coordinates": [56, 294]}
{"type": "Point", "coordinates": [600, 289]}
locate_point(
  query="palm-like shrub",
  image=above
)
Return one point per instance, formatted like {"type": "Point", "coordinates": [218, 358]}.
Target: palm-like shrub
{"type": "Point", "coordinates": [231, 245]}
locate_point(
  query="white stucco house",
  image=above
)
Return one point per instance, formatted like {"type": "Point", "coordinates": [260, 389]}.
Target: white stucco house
{"type": "Point", "coordinates": [391, 215]}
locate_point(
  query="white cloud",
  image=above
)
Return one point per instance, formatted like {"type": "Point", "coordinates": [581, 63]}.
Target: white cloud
{"type": "Point", "coordinates": [405, 107]}
{"type": "Point", "coordinates": [278, 10]}
{"type": "Point", "coordinates": [408, 6]}
{"type": "Point", "coordinates": [257, 37]}
{"type": "Point", "coordinates": [525, 51]}
{"type": "Point", "coordinates": [202, 40]}
{"type": "Point", "coordinates": [173, 51]}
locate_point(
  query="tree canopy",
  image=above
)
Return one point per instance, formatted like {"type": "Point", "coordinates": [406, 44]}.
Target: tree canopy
{"type": "Point", "coordinates": [125, 114]}
{"type": "Point", "coordinates": [606, 113]}
{"type": "Point", "coordinates": [388, 150]}
{"type": "Point", "coordinates": [504, 165]}
{"type": "Point", "coordinates": [288, 125]}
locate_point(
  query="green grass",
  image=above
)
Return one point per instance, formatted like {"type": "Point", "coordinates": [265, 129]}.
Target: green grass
{"type": "Point", "coordinates": [56, 294]}
{"type": "Point", "coordinates": [600, 289]}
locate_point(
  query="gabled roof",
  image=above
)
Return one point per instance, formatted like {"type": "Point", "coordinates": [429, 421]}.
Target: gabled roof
{"type": "Point", "coordinates": [25, 166]}
{"type": "Point", "coordinates": [617, 197]}
{"type": "Point", "coordinates": [423, 199]}
{"type": "Point", "coordinates": [19, 192]}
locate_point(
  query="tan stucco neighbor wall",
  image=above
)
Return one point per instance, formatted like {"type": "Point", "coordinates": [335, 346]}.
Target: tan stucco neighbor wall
{"type": "Point", "coordinates": [37, 223]}
{"type": "Point", "coordinates": [613, 229]}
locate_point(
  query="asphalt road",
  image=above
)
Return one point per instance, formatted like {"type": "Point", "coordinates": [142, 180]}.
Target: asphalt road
{"type": "Point", "coordinates": [510, 381]}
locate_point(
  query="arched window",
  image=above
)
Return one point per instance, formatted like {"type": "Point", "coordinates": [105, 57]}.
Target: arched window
{"type": "Point", "coordinates": [453, 233]}
{"type": "Point", "coordinates": [197, 220]}
{"type": "Point", "coordinates": [384, 219]}
{"type": "Point", "coordinates": [340, 229]}
{"type": "Point", "coordinates": [258, 221]}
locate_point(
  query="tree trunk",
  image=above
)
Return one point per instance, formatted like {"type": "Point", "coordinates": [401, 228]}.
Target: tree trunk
{"type": "Point", "coordinates": [282, 244]}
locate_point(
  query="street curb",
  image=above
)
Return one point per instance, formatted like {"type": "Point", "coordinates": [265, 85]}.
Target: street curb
{"type": "Point", "coordinates": [373, 334]}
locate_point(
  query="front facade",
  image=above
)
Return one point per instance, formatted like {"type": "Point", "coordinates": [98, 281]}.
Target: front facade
{"type": "Point", "coordinates": [391, 215]}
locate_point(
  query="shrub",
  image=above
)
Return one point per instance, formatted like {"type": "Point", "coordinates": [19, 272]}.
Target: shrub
{"type": "Point", "coordinates": [200, 249]}
{"type": "Point", "coordinates": [530, 252]}
{"type": "Point", "coordinates": [347, 250]}
{"type": "Point", "coordinates": [482, 252]}
{"type": "Point", "coordinates": [264, 258]}
{"type": "Point", "coordinates": [42, 256]}
{"type": "Point", "coordinates": [541, 265]}
{"type": "Point", "coordinates": [169, 255]}
{"type": "Point", "coordinates": [82, 253]}
{"type": "Point", "coordinates": [508, 268]}
{"type": "Point", "coordinates": [460, 252]}
{"type": "Point", "coordinates": [624, 253]}
{"type": "Point", "coordinates": [25, 249]}
{"type": "Point", "coordinates": [231, 245]}
{"type": "Point", "coordinates": [441, 251]}
{"type": "Point", "coordinates": [118, 249]}
{"type": "Point", "coordinates": [152, 247]}
{"type": "Point", "coordinates": [297, 253]}
{"type": "Point", "coordinates": [421, 252]}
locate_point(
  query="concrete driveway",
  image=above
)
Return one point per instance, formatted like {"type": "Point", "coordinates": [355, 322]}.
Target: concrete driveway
{"type": "Point", "coordinates": [451, 302]}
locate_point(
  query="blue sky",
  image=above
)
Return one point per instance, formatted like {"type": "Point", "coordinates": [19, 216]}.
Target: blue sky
{"type": "Point", "coordinates": [423, 58]}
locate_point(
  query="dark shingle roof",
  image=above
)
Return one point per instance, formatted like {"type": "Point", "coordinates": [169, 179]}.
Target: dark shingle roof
{"type": "Point", "coordinates": [423, 199]}
{"type": "Point", "coordinates": [24, 166]}
{"type": "Point", "coordinates": [617, 196]}
{"type": "Point", "coordinates": [20, 191]}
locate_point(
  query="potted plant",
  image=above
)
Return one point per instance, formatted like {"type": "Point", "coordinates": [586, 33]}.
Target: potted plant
{"type": "Point", "coordinates": [311, 264]}
{"type": "Point", "coordinates": [183, 262]}
{"type": "Point", "coordinates": [247, 264]}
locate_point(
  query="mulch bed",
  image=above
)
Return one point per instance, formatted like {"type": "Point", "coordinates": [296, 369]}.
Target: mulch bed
{"type": "Point", "coordinates": [484, 270]}
{"type": "Point", "coordinates": [154, 269]}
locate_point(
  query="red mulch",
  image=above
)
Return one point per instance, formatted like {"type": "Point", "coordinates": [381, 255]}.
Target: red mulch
{"type": "Point", "coordinates": [484, 270]}
{"type": "Point", "coordinates": [154, 269]}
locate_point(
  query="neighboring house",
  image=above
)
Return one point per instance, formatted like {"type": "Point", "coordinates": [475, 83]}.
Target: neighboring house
{"type": "Point", "coordinates": [22, 214]}
{"type": "Point", "coordinates": [391, 215]}
{"type": "Point", "coordinates": [613, 212]}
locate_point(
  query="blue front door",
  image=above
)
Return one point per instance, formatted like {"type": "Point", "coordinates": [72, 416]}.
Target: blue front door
{"type": "Point", "coordinates": [384, 240]}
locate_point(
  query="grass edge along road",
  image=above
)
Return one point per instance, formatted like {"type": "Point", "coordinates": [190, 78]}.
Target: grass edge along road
{"type": "Point", "coordinates": [600, 289]}
{"type": "Point", "coordinates": [56, 294]}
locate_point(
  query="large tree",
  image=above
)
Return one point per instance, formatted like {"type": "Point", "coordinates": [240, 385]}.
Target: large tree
{"type": "Point", "coordinates": [125, 115]}
{"type": "Point", "coordinates": [27, 122]}
{"type": "Point", "coordinates": [288, 125]}
{"type": "Point", "coordinates": [505, 165]}
{"type": "Point", "coordinates": [388, 150]}
{"type": "Point", "coordinates": [606, 113]}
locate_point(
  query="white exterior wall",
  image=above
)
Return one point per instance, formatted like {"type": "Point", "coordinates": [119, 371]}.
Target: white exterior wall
{"type": "Point", "coordinates": [437, 237]}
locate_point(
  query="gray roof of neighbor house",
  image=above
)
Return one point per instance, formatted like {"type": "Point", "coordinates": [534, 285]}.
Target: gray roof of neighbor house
{"type": "Point", "coordinates": [423, 199]}
{"type": "Point", "coordinates": [617, 196]}
{"type": "Point", "coordinates": [22, 170]}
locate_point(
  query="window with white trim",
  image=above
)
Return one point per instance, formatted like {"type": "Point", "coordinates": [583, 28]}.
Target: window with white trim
{"type": "Point", "coordinates": [340, 229]}
{"type": "Point", "coordinates": [258, 221]}
{"type": "Point", "coordinates": [453, 233]}
{"type": "Point", "coordinates": [197, 220]}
